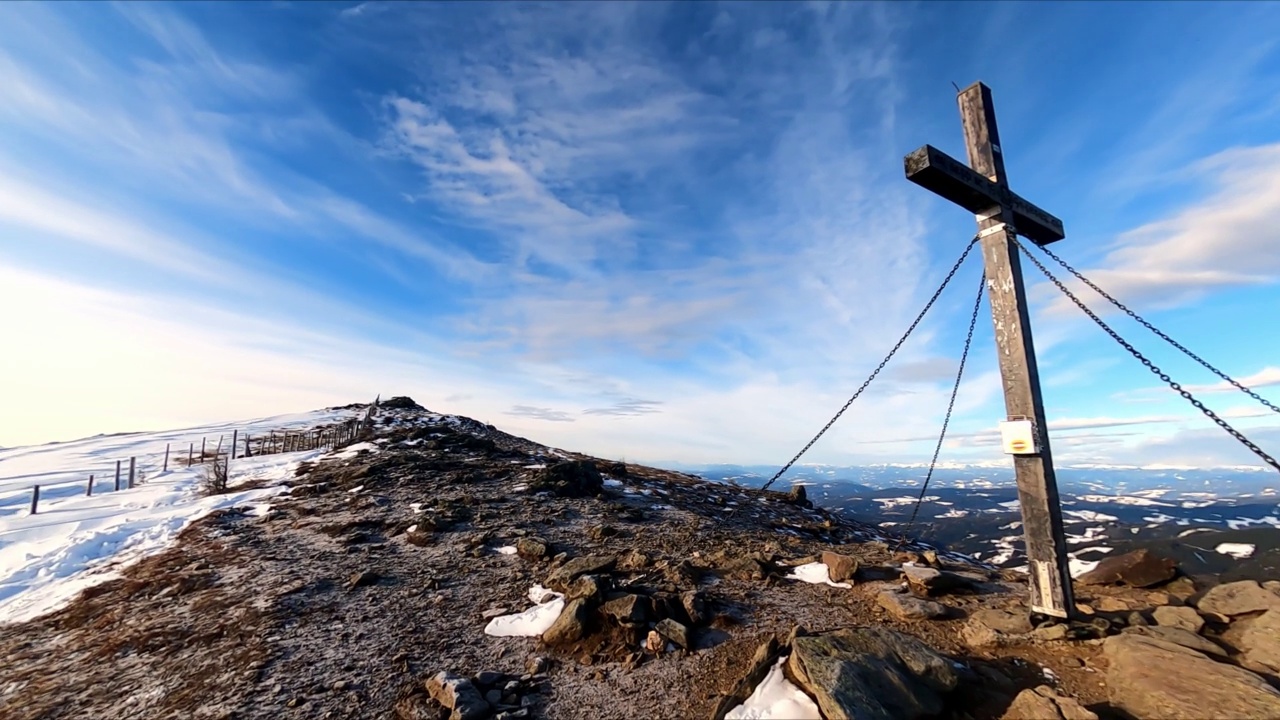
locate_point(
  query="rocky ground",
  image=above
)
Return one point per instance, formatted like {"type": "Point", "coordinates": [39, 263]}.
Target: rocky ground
{"type": "Point", "coordinates": [366, 593]}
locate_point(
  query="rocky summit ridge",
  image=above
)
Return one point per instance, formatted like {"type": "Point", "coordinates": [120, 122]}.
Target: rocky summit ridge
{"type": "Point", "coordinates": [441, 568]}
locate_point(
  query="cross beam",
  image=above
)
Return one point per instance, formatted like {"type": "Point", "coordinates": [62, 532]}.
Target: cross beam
{"type": "Point", "coordinates": [983, 189]}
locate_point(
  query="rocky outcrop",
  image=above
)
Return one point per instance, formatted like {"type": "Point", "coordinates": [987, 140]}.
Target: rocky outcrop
{"type": "Point", "coordinates": [571, 478]}
{"type": "Point", "coordinates": [1238, 598]}
{"type": "Point", "coordinates": [1178, 636]}
{"type": "Point", "coordinates": [572, 625]}
{"type": "Point", "coordinates": [1140, 568]}
{"type": "Point", "coordinates": [1260, 642]}
{"type": "Point", "coordinates": [561, 577]}
{"type": "Point", "coordinates": [1184, 618]}
{"type": "Point", "coordinates": [459, 695]}
{"type": "Point", "coordinates": [871, 674]}
{"type": "Point", "coordinates": [906, 606]}
{"type": "Point", "coordinates": [1150, 678]}
{"type": "Point", "coordinates": [932, 581]}
{"type": "Point", "coordinates": [1044, 703]}
{"type": "Point", "coordinates": [840, 568]}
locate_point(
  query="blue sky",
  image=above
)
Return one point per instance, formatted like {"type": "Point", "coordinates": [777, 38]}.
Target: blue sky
{"type": "Point", "coordinates": [660, 232]}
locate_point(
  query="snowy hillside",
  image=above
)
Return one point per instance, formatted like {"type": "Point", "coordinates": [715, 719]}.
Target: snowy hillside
{"type": "Point", "coordinates": [77, 541]}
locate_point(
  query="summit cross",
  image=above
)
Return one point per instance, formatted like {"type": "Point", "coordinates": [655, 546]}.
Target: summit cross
{"type": "Point", "coordinates": [983, 189]}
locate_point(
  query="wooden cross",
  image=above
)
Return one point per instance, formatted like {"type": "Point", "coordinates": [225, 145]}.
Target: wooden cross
{"type": "Point", "coordinates": [983, 189]}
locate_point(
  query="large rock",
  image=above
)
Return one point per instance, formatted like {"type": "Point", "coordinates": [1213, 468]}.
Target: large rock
{"type": "Point", "coordinates": [560, 578]}
{"type": "Point", "coordinates": [673, 631]}
{"type": "Point", "coordinates": [1044, 703]}
{"type": "Point", "coordinates": [459, 695]}
{"type": "Point", "coordinates": [931, 581]}
{"type": "Point", "coordinates": [627, 610]}
{"type": "Point", "coordinates": [1140, 568]}
{"type": "Point", "coordinates": [1260, 642]}
{"type": "Point", "coordinates": [840, 567]}
{"type": "Point", "coordinates": [1238, 598]}
{"type": "Point", "coordinates": [871, 674]}
{"type": "Point", "coordinates": [531, 548]}
{"type": "Point", "coordinates": [572, 625]}
{"type": "Point", "coordinates": [571, 478]}
{"type": "Point", "coordinates": [1178, 636]}
{"type": "Point", "coordinates": [1151, 678]}
{"type": "Point", "coordinates": [992, 627]}
{"type": "Point", "coordinates": [906, 606]}
{"type": "Point", "coordinates": [1182, 617]}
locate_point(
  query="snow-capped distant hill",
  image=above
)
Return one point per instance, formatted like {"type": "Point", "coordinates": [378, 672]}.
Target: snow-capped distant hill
{"type": "Point", "coordinates": [1189, 514]}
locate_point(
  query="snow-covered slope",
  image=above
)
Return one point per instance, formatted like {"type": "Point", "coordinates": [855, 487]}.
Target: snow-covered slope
{"type": "Point", "coordinates": [75, 542]}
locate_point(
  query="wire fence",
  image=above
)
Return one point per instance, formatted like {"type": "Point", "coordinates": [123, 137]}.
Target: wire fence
{"type": "Point", "coordinates": [134, 471]}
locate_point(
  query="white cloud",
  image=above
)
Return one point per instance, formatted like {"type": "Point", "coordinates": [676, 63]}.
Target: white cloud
{"type": "Point", "coordinates": [1266, 377]}
{"type": "Point", "coordinates": [1223, 240]}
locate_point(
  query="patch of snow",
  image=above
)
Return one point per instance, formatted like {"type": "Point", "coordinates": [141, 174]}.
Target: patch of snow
{"type": "Point", "coordinates": [778, 698]}
{"type": "Point", "coordinates": [76, 542]}
{"type": "Point", "coordinates": [612, 482]}
{"type": "Point", "coordinates": [1080, 567]}
{"type": "Point", "coordinates": [1239, 551]}
{"type": "Point", "coordinates": [814, 573]}
{"type": "Point", "coordinates": [1090, 516]}
{"type": "Point", "coordinates": [1122, 500]}
{"type": "Point", "coordinates": [507, 550]}
{"type": "Point", "coordinates": [535, 466]}
{"type": "Point", "coordinates": [532, 622]}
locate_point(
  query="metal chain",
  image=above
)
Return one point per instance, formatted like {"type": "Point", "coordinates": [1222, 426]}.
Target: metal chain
{"type": "Point", "coordinates": [1147, 363]}
{"type": "Point", "coordinates": [1159, 333]}
{"type": "Point", "coordinates": [951, 404]}
{"type": "Point", "coordinates": [936, 294]}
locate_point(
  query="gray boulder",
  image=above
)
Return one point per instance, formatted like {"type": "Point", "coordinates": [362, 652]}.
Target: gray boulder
{"type": "Point", "coordinates": [906, 606]}
{"type": "Point", "coordinates": [871, 674]}
{"type": "Point", "coordinates": [1044, 703]}
{"type": "Point", "coordinates": [1151, 678]}
{"type": "Point", "coordinates": [1260, 642]}
{"type": "Point", "coordinates": [1238, 598]}
{"type": "Point", "coordinates": [457, 694]}
{"type": "Point", "coordinates": [1181, 617]}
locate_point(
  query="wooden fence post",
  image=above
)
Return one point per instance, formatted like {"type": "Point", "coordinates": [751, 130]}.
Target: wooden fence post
{"type": "Point", "coordinates": [132, 469]}
{"type": "Point", "coordinates": [166, 458]}
{"type": "Point", "coordinates": [191, 450]}
{"type": "Point", "coordinates": [88, 489]}
{"type": "Point", "coordinates": [246, 445]}
{"type": "Point", "coordinates": [218, 450]}
{"type": "Point", "coordinates": [202, 450]}
{"type": "Point", "coordinates": [235, 441]}
{"type": "Point", "coordinates": [35, 498]}
{"type": "Point", "coordinates": [117, 475]}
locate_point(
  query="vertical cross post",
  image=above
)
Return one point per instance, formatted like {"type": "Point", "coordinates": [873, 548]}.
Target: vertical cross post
{"type": "Point", "coordinates": [235, 439]}
{"type": "Point", "coordinates": [191, 451]}
{"type": "Point", "coordinates": [133, 468]}
{"type": "Point", "coordinates": [117, 475]}
{"type": "Point", "coordinates": [166, 458]}
{"type": "Point", "coordinates": [35, 498]}
{"type": "Point", "coordinates": [88, 489]}
{"type": "Point", "coordinates": [983, 188]}
{"type": "Point", "coordinates": [202, 442]}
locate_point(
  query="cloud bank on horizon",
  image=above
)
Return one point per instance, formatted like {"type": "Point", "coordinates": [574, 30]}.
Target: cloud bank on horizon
{"type": "Point", "coordinates": [660, 232]}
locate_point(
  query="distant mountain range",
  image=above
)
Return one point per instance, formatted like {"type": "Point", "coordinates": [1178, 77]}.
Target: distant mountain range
{"type": "Point", "coordinates": [1220, 522]}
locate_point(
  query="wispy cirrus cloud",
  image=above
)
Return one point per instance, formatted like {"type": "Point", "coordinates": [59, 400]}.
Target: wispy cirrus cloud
{"type": "Point", "coordinates": [1222, 240]}
{"type": "Point", "coordinates": [626, 407]}
{"type": "Point", "coordinates": [541, 413]}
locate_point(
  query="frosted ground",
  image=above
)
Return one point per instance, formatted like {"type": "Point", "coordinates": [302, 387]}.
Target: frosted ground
{"type": "Point", "coordinates": [75, 542]}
